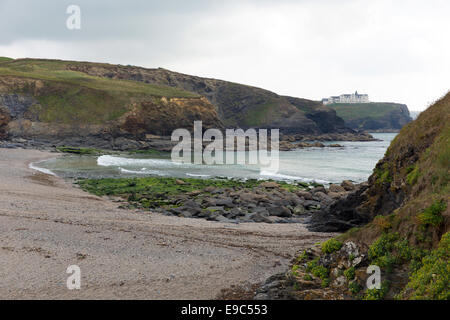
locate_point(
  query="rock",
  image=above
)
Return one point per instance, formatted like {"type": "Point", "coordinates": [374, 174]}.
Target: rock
{"type": "Point", "coordinates": [209, 189]}
{"type": "Point", "coordinates": [194, 193]}
{"type": "Point", "coordinates": [323, 197]}
{"type": "Point", "coordinates": [257, 217]}
{"type": "Point", "coordinates": [340, 281]}
{"type": "Point", "coordinates": [234, 212]}
{"type": "Point", "coordinates": [305, 194]}
{"type": "Point", "coordinates": [336, 188]}
{"type": "Point", "coordinates": [336, 195]}
{"type": "Point", "coordinates": [269, 184]}
{"type": "Point", "coordinates": [299, 209]}
{"type": "Point", "coordinates": [225, 202]}
{"type": "Point", "coordinates": [348, 185]}
{"type": "Point", "coordinates": [221, 218]}
{"type": "Point", "coordinates": [279, 211]}
{"type": "Point", "coordinates": [319, 189]}
{"type": "Point", "coordinates": [312, 204]}
{"type": "Point", "coordinates": [180, 182]}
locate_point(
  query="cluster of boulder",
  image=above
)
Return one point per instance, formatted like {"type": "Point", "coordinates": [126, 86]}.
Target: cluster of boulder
{"type": "Point", "coordinates": [267, 202]}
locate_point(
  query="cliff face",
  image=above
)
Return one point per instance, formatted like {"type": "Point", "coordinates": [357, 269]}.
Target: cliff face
{"type": "Point", "coordinates": [237, 105]}
{"type": "Point", "coordinates": [414, 170]}
{"type": "Point", "coordinates": [400, 220]}
{"type": "Point", "coordinates": [41, 100]}
{"type": "Point", "coordinates": [374, 115]}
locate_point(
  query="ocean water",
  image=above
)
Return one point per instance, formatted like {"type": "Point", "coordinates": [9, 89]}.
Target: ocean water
{"type": "Point", "coordinates": [353, 161]}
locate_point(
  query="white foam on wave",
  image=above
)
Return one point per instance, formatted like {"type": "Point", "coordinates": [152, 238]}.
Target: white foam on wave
{"type": "Point", "coordinates": [198, 175]}
{"type": "Point", "coordinates": [289, 177]}
{"type": "Point", "coordinates": [109, 161]}
{"type": "Point", "coordinates": [43, 170]}
{"type": "Point", "coordinates": [142, 171]}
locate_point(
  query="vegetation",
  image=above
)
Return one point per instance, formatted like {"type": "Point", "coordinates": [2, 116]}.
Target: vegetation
{"type": "Point", "coordinates": [377, 294]}
{"type": "Point", "coordinates": [433, 214]}
{"type": "Point", "coordinates": [432, 280]}
{"type": "Point", "coordinates": [5, 59]}
{"type": "Point", "coordinates": [350, 273]}
{"type": "Point", "coordinates": [67, 96]}
{"type": "Point", "coordinates": [79, 151]}
{"type": "Point", "coordinates": [331, 245]}
{"type": "Point", "coordinates": [154, 192]}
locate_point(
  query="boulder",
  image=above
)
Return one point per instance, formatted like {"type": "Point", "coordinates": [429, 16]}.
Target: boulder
{"type": "Point", "coordinates": [279, 211]}
{"type": "Point", "coordinates": [336, 188]}
{"type": "Point", "coordinates": [305, 194]}
{"type": "Point", "coordinates": [348, 185]}
{"type": "Point", "coordinates": [269, 184]}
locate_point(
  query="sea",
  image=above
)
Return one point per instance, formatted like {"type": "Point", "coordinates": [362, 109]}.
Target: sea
{"type": "Point", "coordinates": [353, 161]}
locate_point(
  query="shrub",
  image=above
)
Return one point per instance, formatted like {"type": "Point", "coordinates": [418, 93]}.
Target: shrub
{"type": "Point", "coordinates": [354, 287]}
{"type": "Point", "coordinates": [331, 246]}
{"type": "Point", "coordinates": [413, 175]}
{"type": "Point", "coordinates": [350, 273]}
{"type": "Point", "coordinates": [377, 294]}
{"type": "Point", "coordinates": [432, 215]}
{"type": "Point", "coordinates": [432, 280]}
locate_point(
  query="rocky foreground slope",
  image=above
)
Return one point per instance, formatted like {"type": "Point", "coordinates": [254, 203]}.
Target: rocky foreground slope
{"type": "Point", "coordinates": [399, 222]}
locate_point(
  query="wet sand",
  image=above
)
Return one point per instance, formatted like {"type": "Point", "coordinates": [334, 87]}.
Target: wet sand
{"type": "Point", "coordinates": [47, 224]}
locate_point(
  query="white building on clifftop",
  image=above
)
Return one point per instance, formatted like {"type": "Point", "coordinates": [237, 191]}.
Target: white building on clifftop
{"type": "Point", "coordinates": [347, 98]}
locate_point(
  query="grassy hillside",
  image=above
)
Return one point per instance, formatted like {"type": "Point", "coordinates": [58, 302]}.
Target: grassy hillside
{"type": "Point", "coordinates": [237, 105]}
{"type": "Point", "coordinates": [374, 115]}
{"type": "Point", "coordinates": [4, 59]}
{"type": "Point", "coordinates": [66, 96]}
{"type": "Point", "coordinates": [407, 203]}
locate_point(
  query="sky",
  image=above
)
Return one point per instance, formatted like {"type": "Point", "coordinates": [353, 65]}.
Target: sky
{"type": "Point", "coordinates": [395, 51]}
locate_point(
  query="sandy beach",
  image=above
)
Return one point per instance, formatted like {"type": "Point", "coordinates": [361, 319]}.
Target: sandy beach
{"type": "Point", "coordinates": [47, 224]}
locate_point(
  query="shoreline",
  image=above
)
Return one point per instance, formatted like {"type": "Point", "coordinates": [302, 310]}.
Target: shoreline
{"type": "Point", "coordinates": [124, 254]}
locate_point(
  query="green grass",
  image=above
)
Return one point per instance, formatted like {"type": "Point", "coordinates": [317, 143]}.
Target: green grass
{"type": "Point", "coordinates": [74, 97]}
{"type": "Point", "coordinates": [362, 110]}
{"type": "Point", "coordinates": [155, 192]}
{"type": "Point", "coordinates": [432, 280]}
{"type": "Point", "coordinates": [5, 59]}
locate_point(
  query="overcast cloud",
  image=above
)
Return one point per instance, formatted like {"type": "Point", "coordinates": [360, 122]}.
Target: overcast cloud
{"type": "Point", "coordinates": [393, 50]}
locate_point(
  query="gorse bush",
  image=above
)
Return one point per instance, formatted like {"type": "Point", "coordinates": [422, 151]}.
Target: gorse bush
{"type": "Point", "coordinates": [331, 246]}
{"type": "Point", "coordinates": [432, 280]}
{"type": "Point", "coordinates": [432, 215]}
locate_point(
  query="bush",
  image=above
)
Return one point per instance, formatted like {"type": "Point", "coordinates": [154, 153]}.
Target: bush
{"type": "Point", "coordinates": [354, 287]}
{"type": "Point", "coordinates": [350, 273]}
{"type": "Point", "coordinates": [432, 280]}
{"type": "Point", "coordinates": [413, 175]}
{"type": "Point", "coordinates": [377, 294]}
{"type": "Point", "coordinates": [331, 246]}
{"type": "Point", "coordinates": [432, 215]}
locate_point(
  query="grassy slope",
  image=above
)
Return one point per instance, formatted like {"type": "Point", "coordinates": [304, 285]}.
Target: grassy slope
{"type": "Point", "coordinates": [70, 96]}
{"type": "Point", "coordinates": [412, 243]}
{"type": "Point", "coordinates": [418, 163]}
{"type": "Point", "coordinates": [363, 110]}
{"type": "Point", "coordinates": [5, 59]}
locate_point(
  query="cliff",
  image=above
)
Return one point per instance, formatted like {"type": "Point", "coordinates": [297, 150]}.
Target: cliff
{"type": "Point", "coordinates": [373, 116]}
{"type": "Point", "coordinates": [399, 221]}
{"type": "Point", "coordinates": [237, 105]}
{"type": "Point", "coordinates": [42, 100]}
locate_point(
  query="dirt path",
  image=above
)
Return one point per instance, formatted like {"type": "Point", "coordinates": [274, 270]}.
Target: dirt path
{"type": "Point", "coordinates": [46, 225]}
